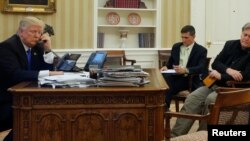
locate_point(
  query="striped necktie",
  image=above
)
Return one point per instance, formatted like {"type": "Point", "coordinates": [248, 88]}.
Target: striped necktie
{"type": "Point", "coordinates": [29, 58]}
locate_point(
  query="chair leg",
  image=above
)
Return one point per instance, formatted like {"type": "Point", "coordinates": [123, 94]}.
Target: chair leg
{"type": "Point", "coordinates": [167, 128]}
{"type": "Point", "coordinates": [176, 105]}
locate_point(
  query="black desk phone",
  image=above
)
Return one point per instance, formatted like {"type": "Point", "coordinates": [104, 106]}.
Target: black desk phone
{"type": "Point", "coordinates": [67, 62]}
{"type": "Point", "coordinates": [96, 58]}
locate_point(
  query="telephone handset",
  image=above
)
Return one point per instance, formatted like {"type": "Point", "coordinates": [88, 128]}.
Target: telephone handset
{"type": "Point", "coordinates": [40, 43]}
{"type": "Point", "coordinates": [67, 62]}
{"type": "Point", "coordinates": [47, 29]}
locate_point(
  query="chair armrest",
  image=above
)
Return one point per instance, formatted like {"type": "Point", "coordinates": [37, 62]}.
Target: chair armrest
{"type": "Point", "coordinates": [227, 89]}
{"type": "Point", "coordinates": [169, 115]}
{"type": "Point", "coordinates": [238, 83]}
{"type": "Point", "coordinates": [130, 60]}
{"type": "Point", "coordinates": [185, 115]}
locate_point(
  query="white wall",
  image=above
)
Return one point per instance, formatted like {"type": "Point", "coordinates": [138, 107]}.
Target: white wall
{"type": "Point", "coordinates": [198, 20]}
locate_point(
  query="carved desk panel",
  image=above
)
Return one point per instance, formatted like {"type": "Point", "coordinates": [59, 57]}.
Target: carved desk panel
{"type": "Point", "coordinates": [90, 114]}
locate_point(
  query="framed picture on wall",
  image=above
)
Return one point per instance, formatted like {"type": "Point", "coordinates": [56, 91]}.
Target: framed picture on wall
{"type": "Point", "coordinates": [29, 6]}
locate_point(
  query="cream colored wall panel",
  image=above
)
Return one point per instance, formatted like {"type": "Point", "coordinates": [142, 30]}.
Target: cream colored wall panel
{"type": "Point", "coordinates": [175, 14]}
{"type": "Point", "coordinates": [67, 15]}
{"type": "Point", "coordinates": [72, 24]}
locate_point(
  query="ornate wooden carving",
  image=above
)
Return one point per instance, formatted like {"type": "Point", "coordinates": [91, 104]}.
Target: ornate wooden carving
{"type": "Point", "coordinates": [81, 99]}
{"type": "Point", "coordinates": [151, 119]}
{"type": "Point", "coordinates": [90, 127]}
{"type": "Point", "coordinates": [26, 117]}
{"type": "Point", "coordinates": [128, 127]}
{"type": "Point", "coordinates": [51, 128]}
{"type": "Point", "coordinates": [107, 114]}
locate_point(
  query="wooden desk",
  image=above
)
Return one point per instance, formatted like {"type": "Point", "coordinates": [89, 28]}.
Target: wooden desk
{"type": "Point", "coordinates": [90, 114]}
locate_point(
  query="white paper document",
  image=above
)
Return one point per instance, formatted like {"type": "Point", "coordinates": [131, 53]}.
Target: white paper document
{"type": "Point", "coordinates": [169, 71]}
{"type": "Point", "coordinates": [67, 79]}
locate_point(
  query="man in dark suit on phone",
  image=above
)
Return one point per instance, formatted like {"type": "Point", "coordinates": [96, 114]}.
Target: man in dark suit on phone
{"type": "Point", "coordinates": [22, 58]}
{"type": "Point", "coordinates": [187, 57]}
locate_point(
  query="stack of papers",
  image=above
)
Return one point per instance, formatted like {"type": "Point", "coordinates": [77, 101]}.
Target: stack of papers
{"type": "Point", "coordinates": [117, 68]}
{"type": "Point", "coordinates": [116, 84]}
{"type": "Point", "coordinates": [123, 76]}
{"type": "Point", "coordinates": [123, 79]}
{"type": "Point", "coordinates": [68, 79]}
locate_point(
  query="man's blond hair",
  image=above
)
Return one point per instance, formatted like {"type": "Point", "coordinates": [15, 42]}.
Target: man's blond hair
{"type": "Point", "coordinates": [28, 21]}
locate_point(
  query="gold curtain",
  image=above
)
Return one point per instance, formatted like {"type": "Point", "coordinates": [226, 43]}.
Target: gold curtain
{"type": "Point", "coordinates": [174, 15]}
{"type": "Point", "coordinates": [73, 23]}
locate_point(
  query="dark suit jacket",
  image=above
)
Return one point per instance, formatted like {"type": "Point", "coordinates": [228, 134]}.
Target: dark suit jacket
{"type": "Point", "coordinates": [232, 56]}
{"type": "Point", "coordinates": [14, 64]}
{"type": "Point", "coordinates": [14, 69]}
{"type": "Point", "coordinates": [196, 61]}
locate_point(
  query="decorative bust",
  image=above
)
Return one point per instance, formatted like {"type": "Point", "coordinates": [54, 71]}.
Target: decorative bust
{"type": "Point", "coordinates": [109, 3]}
{"type": "Point", "coordinates": [142, 5]}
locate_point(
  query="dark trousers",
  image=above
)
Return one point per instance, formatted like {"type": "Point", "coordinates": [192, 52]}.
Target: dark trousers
{"type": "Point", "coordinates": [9, 137]}
{"type": "Point", "coordinates": [6, 121]}
{"type": "Point", "coordinates": [176, 84]}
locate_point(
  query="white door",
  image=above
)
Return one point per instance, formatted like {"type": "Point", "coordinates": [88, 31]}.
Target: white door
{"type": "Point", "coordinates": [224, 20]}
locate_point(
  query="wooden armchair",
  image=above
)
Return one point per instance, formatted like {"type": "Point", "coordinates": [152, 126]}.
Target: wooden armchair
{"type": "Point", "coordinates": [182, 95]}
{"type": "Point", "coordinates": [118, 57]}
{"type": "Point", "coordinates": [163, 56]}
{"type": "Point", "coordinates": [231, 105]}
{"type": "Point", "coordinates": [234, 84]}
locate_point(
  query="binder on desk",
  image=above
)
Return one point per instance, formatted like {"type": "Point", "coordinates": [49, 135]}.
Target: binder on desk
{"type": "Point", "coordinates": [209, 81]}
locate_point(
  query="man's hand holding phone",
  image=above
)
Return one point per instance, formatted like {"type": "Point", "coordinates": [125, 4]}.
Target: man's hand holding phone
{"type": "Point", "coordinates": [46, 42]}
